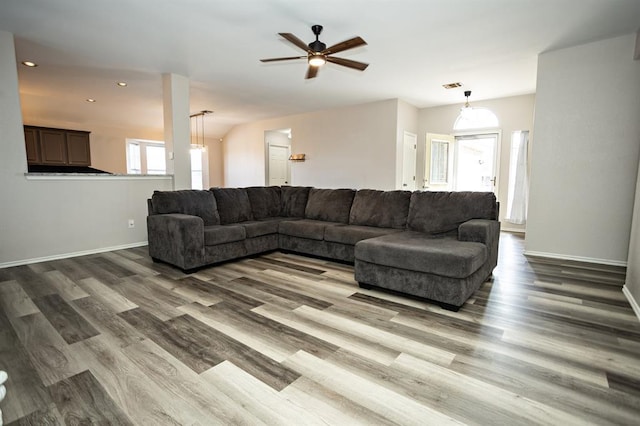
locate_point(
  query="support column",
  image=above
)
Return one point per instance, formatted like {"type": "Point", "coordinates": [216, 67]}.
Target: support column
{"type": "Point", "coordinates": [177, 134]}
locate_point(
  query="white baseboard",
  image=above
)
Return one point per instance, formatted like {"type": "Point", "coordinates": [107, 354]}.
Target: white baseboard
{"type": "Point", "coordinates": [576, 258]}
{"type": "Point", "coordinates": [68, 255]}
{"type": "Point", "coordinates": [512, 230]}
{"type": "Point", "coordinates": [632, 301]}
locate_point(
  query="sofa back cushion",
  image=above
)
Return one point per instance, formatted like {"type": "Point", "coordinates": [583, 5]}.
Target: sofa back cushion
{"type": "Point", "coordinates": [233, 205]}
{"type": "Point", "coordinates": [294, 200]}
{"type": "Point", "coordinates": [442, 212]}
{"type": "Point", "coordinates": [188, 201]}
{"type": "Point", "coordinates": [265, 201]}
{"type": "Point", "coordinates": [384, 209]}
{"type": "Point", "coordinates": [331, 205]}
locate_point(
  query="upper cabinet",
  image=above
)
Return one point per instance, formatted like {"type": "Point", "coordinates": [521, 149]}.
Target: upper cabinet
{"type": "Point", "coordinates": [57, 147]}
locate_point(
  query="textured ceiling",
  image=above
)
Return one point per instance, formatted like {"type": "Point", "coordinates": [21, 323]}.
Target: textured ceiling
{"type": "Point", "coordinates": [414, 46]}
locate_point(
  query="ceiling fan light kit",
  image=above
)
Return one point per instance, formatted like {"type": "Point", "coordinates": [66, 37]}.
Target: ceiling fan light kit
{"type": "Point", "coordinates": [317, 60]}
{"type": "Point", "coordinates": [319, 54]}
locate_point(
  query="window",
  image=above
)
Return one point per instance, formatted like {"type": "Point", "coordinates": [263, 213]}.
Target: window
{"type": "Point", "coordinates": [134, 164]}
{"type": "Point", "coordinates": [156, 162]}
{"type": "Point", "coordinates": [196, 168]}
{"type": "Point", "coordinates": [149, 158]}
{"type": "Point", "coordinates": [518, 179]}
{"type": "Point", "coordinates": [439, 162]}
{"type": "Point", "coordinates": [146, 157]}
{"type": "Point", "coordinates": [476, 118]}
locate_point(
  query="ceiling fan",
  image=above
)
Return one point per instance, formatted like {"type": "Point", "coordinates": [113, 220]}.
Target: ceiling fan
{"type": "Point", "coordinates": [318, 53]}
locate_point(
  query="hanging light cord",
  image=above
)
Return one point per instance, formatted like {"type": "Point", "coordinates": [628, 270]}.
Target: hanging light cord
{"type": "Point", "coordinates": [200, 114]}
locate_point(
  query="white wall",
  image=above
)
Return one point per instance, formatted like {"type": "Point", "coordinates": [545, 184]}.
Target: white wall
{"type": "Point", "coordinates": [352, 147]}
{"type": "Point", "coordinates": [41, 219]}
{"type": "Point", "coordinates": [514, 113]}
{"type": "Point", "coordinates": [407, 122]}
{"type": "Point", "coordinates": [216, 162]}
{"type": "Point", "coordinates": [585, 155]}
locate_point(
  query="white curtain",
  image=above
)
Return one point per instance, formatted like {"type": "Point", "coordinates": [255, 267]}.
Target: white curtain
{"type": "Point", "coordinates": [518, 179]}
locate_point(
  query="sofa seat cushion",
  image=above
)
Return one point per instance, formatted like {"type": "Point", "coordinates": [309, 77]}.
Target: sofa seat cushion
{"type": "Point", "coordinates": [332, 205]}
{"type": "Point", "coordinates": [259, 228]}
{"type": "Point", "coordinates": [220, 234]}
{"type": "Point", "coordinates": [351, 234]}
{"type": "Point", "coordinates": [419, 252]}
{"type": "Point", "coordinates": [305, 228]}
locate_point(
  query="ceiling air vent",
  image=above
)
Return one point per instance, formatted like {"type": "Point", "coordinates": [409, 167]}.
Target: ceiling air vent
{"type": "Point", "coordinates": [452, 85]}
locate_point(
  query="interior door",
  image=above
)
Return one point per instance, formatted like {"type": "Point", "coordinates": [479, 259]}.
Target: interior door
{"type": "Point", "coordinates": [476, 162]}
{"type": "Point", "coordinates": [278, 165]}
{"type": "Point", "coordinates": [409, 148]}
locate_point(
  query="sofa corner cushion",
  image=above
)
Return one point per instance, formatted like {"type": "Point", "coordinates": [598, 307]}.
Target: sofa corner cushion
{"type": "Point", "coordinates": [442, 212]}
{"type": "Point", "coordinates": [385, 209]}
{"type": "Point", "coordinates": [416, 251]}
{"type": "Point", "coordinates": [265, 201]}
{"type": "Point", "coordinates": [233, 205]}
{"type": "Point", "coordinates": [331, 205]}
{"type": "Point", "coordinates": [187, 201]}
{"type": "Point", "coordinates": [351, 234]}
{"type": "Point", "coordinates": [220, 234]}
{"type": "Point", "coordinates": [294, 200]}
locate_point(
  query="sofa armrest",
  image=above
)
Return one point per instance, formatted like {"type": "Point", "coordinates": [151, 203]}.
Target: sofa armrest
{"type": "Point", "coordinates": [482, 231]}
{"type": "Point", "coordinates": [479, 230]}
{"type": "Point", "coordinates": [177, 239]}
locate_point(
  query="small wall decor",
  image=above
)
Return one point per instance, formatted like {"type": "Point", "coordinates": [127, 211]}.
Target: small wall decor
{"type": "Point", "coordinates": [297, 157]}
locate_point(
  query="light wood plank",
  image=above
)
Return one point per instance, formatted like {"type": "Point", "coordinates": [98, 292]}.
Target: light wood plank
{"type": "Point", "coordinates": [388, 404]}
{"type": "Point", "coordinates": [15, 301]}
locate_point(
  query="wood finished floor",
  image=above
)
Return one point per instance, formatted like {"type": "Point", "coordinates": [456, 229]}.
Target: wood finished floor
{"type": "Point", "coordinates": [283, 339]}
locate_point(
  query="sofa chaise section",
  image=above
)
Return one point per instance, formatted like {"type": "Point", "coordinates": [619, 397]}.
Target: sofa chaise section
{"type": "Point", "coordinates": [448, 251]}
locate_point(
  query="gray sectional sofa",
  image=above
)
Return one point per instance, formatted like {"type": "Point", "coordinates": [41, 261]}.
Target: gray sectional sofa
{"type": "Point", "coordinates": [436, 245]}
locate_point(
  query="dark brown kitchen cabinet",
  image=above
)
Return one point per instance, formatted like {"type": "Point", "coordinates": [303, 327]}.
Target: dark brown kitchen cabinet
{"type": "Point", "coordinates": [57, 147]}
{"type": "Point", "coordinates": [33, 148]}
{"type": "Point", "coordinates": [78, 153]}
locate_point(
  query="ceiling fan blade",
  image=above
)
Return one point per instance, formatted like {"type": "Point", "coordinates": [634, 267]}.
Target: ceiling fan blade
{"type": "Point", "coordinates": [312, 72]}
{"type": "Point", "coordinates": [295, 40]}
{"type": "Point", "coordinates": [348, 63]}
{"type": "Point", "coordinates": [283, 59]}
{"type": "Point", "coordinates": [347, 44]}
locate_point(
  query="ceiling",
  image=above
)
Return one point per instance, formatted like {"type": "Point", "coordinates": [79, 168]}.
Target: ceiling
{"type": "Point", "coordinates": [414, 47]}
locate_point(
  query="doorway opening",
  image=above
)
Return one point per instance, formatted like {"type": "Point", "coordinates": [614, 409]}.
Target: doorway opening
{"type": "Point", "coordinates": [277, 152]}
{"type": "Point", "coordinates": [464, 162]}
{"type": "Point", "coordinates": [409, 149]}
{"type": "Point", "coordinates": [475, 165]}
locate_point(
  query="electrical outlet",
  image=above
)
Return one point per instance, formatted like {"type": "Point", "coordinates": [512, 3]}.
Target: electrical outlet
{"type": "Point", "coordinates": [132, 223]}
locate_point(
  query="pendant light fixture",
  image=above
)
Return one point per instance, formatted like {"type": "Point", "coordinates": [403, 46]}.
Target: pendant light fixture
{"type": "Point", "coordinates": [197, 124]}
{"type": "Point", "coordinates": [466, 110]}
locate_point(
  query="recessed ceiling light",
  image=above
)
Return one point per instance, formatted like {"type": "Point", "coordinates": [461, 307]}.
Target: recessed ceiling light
{"type": "Point", "coordinates": [91, 100]}
{"type": "Point", "coordinates": [452, 85]}
{"type": "Point", "coordinates": [29, 64]}
{"type": "Point", "coordinates": [122, 83]}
